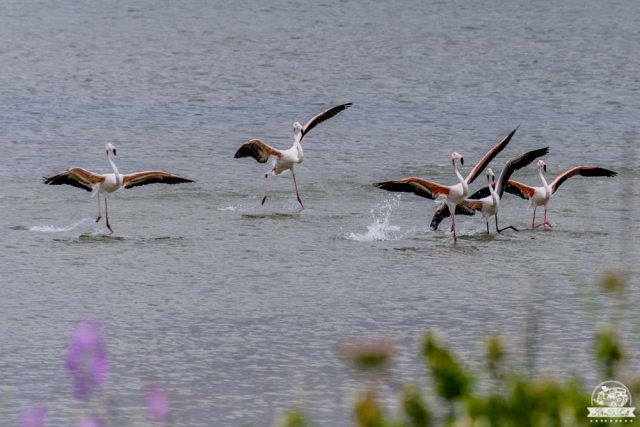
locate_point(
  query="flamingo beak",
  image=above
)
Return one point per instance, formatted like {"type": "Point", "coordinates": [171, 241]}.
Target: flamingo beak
{"type": "Point", "coordinates": [493, 178]}
{"type": "Point", "coordinates": [462, 161]}
{"type": "Point", "coordinates": [545, 167]}
{"type": "Point", "coordinates": [114, 151]}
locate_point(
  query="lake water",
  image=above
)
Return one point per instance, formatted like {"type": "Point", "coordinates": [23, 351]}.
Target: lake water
{"type": "Point", "coordinates": [237, 308]}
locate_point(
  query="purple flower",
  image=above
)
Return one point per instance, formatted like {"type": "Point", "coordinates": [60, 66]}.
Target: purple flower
{"type": "Point", "coordinates": [87, 360]}
{"type": "Point", "coordinates": [91, 422]}
{"type": "Point", "coordinates": [157, 402]}
{"type": "Point", "coordinates": [34, 417]}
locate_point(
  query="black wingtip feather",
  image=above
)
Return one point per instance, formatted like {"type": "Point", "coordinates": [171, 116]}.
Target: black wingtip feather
{"type": "Point", "coordinates": [598, 172]}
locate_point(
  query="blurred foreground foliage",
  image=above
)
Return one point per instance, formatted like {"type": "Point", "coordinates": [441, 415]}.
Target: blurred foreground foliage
{"type": "Point", "coordinates": [513, 400]}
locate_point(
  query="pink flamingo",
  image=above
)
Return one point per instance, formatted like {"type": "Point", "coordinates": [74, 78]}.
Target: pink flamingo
{"type": "Point", "coordinates": [540, 196]}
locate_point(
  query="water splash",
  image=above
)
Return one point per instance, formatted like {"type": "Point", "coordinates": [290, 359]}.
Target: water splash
{"type": "Point", "coordinates": [54, 229]}
{"type": "Point", "coordinates": [380, 229]}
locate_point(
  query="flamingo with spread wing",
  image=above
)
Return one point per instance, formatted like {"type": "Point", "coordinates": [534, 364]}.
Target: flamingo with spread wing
{"type": "Point", "coordinates": [286, 159]}
{"type": "Point", "coordinates": [540, 196]}
{"type": "Point", "coordinates": [110, 182]}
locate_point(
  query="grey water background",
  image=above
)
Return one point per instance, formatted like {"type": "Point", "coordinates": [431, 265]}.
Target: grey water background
{"type": "Point", "coordinates": [236, 308]}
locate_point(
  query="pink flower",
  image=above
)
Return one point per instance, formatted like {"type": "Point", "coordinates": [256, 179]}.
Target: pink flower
{"type": "Point", "coordinates": [34, 417]}
{"type": "Point", "coordinates": [87, 360]}
{"type": "Point", "coordinates": [91, 422]}
{"type": "Point", "coordinates": [157, 402]}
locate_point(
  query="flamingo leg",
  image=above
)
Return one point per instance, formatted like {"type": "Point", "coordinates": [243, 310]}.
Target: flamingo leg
{"type": "Point", "coordinates": [533, 222]}
{"type": "Point", "coordinates": [545, 223]}
{"type": "Point", "coordinates": [266, 175]}
{"type": "Point", "coordinates": [99, 212]}
{"type": "Point", "coordinates": [500, 230]}
{"type": "Point", "coordinates": [106, 214]}
{"type": "Point", "coordinates": [296, 185]}
{"type": "Point", "coordinates": [453, 228]}
{"type": "Point", "coordinates": [488, 227]}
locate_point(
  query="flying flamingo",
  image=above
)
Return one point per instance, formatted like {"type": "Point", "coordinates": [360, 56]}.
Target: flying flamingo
{"type": "Point", "coordinates": [110, 182]}
{"type": "Point", "coordinates": [489, 204]}
{"type": "Point", "coordinates": [286, 159]}
{"type": "Point", "coordinates": [454, 194]}
{"type": "Point", "coordinates": [539, 196]}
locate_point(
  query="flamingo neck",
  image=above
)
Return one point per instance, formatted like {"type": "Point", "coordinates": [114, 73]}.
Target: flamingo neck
{"type": "Point", "coordinates": [463, 182]}
{"type": "Point", "coordinates": [298, 146]}
{"type": "Point", "coordinates": [494, 195]}
{"type": "Point", "coordinates": [547, 189]}
{"type": "Point", "coordinates": [115, 169]}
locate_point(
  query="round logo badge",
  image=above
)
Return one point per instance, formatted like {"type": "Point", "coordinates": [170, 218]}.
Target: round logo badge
{"type": "Point", "coordinates": [611, 399]}
{"type": "Point", "coordinates": [611, 393]}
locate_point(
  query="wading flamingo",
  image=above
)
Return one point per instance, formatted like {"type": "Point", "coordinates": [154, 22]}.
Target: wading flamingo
{"type": "Point", "coordinates": [540, 196]}
{"type": "Point", "coordinates": [487, 200]}
{"type": "Point", "coordinates": [110, 182]}
{"type": "Point", "coordinates": [286, 159]}
{"type": "Point", "coordinates": [453, 194]}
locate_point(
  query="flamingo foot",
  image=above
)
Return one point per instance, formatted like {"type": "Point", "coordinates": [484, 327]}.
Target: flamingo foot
{"type": "Point", "coordinates": [110, 229]}
{"type": "Point", "coordinates": [264, 199]}
{"type": "Point", "coordinates": [99, 217]}
{"type": "Point", "coordinates": [300, 201]}
{"type": "Point", "coordinates": [542, 224]}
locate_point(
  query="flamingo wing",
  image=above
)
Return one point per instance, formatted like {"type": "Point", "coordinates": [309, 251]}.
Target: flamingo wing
{"type": "Point", "coordinates": [77, 177]}
{"type": "Point", "coordinates": [582, 171]}
{"type": "Point", "coordinates": [482, 193]}
{"type": "Point", "coordinates": [443, 212]}
{"type": "Point", "coordinates": [325, 115]}
{"type": "Point", "coordinates": [519, 189]}
{"type": "Point", "coordinates": [486, 159]}
{"type": "Point", "coordinates": [417, 186]}
{"type": "Point", "coordinates": [258, 150]}
{"type": "Point", "coordinates": [515, 163]}
{"type": "Point", "coordinates": [513, 187]}
{"type": "Point", "coordinates": [152, 177]}
{"type": "Point", "coordinates": [472, 205]}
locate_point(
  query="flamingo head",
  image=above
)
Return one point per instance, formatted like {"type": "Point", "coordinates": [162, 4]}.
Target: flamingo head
{"type": "Point", "coordinates": [110, 147]}
{"type": "Point", "coordinates": [542, 165]}
{"type": "Point", "coordinates": [456, 156]}
{"type": "Point", "coordinates": [296, 127]}
{"type": "Point", "coordinates": [490, 175]}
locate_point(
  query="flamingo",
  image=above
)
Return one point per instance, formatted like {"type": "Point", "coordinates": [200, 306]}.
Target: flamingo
{"type": "Point", "coordinates": [540, 196]}
{"type": "Point", "coordinates": [110, 182]}
{"type": "Point", "coordinates": [454, 194]}
{"type": "Point", "coordinates": [443, 210]}
{"type": "Point", "coordinates": [488, 205]}
{"type": "Point", "coordinates": [286, 159]}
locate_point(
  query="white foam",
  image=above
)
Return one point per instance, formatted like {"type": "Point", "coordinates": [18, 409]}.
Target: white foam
{"type": "Point", "coordinates": [229, 208]}
{"type": "Point", "coordinates": [54, 229]}
{"type": "Point", "coordinates": [380, 229]}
